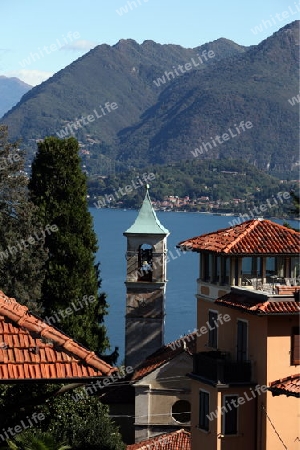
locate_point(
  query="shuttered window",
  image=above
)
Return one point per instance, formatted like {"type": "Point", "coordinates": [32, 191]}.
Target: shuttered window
{"type": "Point", "coordinates": [213, 330]}
{"type": "Point", "coordinates": [203, 410]}
{"type": "Point", "coordinates": [230, 421]}
{"type": "Point", "coordinates": [295, 347]}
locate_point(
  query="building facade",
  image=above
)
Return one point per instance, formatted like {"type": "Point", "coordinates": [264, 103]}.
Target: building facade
{"type": "Point", "coordinates": [248, 336]}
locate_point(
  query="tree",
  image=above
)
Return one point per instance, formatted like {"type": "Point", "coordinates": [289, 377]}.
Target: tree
{"type": "Point", "coordinates": [30, 440]}
{"type": "Point", "coordinates": [58, 188]}
{"type": "Point", "coordinates": [22, 252]}
{"type": "Point", "coordinates": [84, 425]}
{"type": "Point", "coordinates": [296, 204]}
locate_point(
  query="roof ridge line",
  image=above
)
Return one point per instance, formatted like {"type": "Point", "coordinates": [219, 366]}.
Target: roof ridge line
{"type": "Point", "coordinates": [243, 234]}
{"type": "Point", "coordinates": [46, 331]}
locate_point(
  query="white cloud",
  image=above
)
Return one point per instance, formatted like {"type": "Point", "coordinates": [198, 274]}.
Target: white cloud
{"type": "Point", "coordinates": [32, 77]}
{"type": "Point", "coordinates": [80, 46]}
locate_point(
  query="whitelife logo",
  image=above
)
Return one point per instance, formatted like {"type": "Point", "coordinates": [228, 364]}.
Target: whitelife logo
{"type": "Point", "coordinates": [86, 120]}
{"type": "Point", "coordinates": [182, 69]}
{"type": "Point", "coordinates": [132, 5]}
{"type": "Point", "coordinates": [23, 244]}
{"type": "Point", "coordinates": [243, 126]}
{"type": "Point", "coordinates": [261, 209]}
{"type": "Point", "coordinates": [201, 331]}
{"type": "Point", "coordinates": [135, 184]}
{"type": "Point", "coordinates": [279, 17]}
{"type": "Point", "coordinates": [24, 425]}
{"type": "Point", "coordinates": [236, 403]}
{"type": "Point", "coordinates": [294, 100]}
{"type": "Point", "coordinates": [47, 50]}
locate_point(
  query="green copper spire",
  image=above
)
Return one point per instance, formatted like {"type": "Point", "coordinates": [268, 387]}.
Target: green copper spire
{"type": "Point", "coordinates": [147, 221]}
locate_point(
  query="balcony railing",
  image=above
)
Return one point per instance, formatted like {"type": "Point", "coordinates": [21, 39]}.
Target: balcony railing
{"type": "Point", "coordinates": [219, 368]}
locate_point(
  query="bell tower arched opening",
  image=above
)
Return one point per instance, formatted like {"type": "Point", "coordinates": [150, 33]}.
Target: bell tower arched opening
{"type": "Point", "coordinates": [145, 262]}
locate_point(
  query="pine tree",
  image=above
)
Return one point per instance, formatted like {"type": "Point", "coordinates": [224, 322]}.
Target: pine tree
{"type": "Point", "coordinates": [70, 289]}
{"type": "Point", "coordinates": [22, 253]}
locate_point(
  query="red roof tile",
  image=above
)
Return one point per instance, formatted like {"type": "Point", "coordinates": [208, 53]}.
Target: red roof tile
{"type": "Point", "coordinates": [178, 440]}
{"type": "Point", "coordinates": [259, 237]}
{"type": "Point", "coordinates": [32, 349]}
{"type": "Point", "coordinates": [165, 354]}
{"type": "Point", "coordinates": [257, 306]}
{"type": "Point", "coordinates": [289, 386]}
{"type": "Point", "coordinates": [122, 393]}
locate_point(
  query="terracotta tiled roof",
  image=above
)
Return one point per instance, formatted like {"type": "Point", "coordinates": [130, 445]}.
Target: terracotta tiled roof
{"type": "Point", "coordinates": [257, 306]}
{"type": "Point", "coordinates": [259, 237]}
{"type": "Point", "coordinates": [164, 354]}
{"type": "Point", "coordinates": [289, 386]}
{"type": "Point", "coordinates": [178, 440]}
{"type": "Point", "coordinates": [32, 349]}
{"type": "Point", "coordinates": [122, 393]}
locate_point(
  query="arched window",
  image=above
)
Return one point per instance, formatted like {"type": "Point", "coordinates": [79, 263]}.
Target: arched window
{"type": "Point", "coordinates": [181, 411]}
{"type": "Point", "coordinates": [145, 263]}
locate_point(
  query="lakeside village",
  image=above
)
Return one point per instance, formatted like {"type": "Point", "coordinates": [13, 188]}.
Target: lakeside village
{"type": "Point", "coordinates": [272, 207]}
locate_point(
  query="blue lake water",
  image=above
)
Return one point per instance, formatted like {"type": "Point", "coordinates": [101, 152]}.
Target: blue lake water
{"type": "Point", "coordinates": [182, 271]}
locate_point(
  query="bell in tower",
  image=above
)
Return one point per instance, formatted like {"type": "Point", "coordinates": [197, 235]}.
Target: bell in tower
{"type": "Point", "coordinates": [145, 285]}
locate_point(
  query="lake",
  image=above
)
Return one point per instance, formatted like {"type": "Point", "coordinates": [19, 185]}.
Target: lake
{"type": "Point", "coordinates": [182, 269]}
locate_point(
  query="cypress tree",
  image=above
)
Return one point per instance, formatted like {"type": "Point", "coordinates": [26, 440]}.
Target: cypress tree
{"type": "Point", "coordinates": [22, 253]}
{"type": "Point", "coordinates": [70, 290]}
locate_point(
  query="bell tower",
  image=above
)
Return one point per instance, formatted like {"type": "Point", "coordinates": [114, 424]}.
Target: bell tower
{"type": "Point", "coordinates": [145, 285]}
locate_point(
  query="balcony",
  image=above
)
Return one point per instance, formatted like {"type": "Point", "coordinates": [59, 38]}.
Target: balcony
{"type": "Point", "coordinates": [217, 367]}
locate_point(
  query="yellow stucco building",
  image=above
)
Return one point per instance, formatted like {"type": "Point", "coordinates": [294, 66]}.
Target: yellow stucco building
{"type": "Point", "coordinates": [245, 382]}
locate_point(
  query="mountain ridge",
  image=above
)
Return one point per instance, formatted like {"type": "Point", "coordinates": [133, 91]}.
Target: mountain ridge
{"type": "Point", "coordinates": [11, 91]}
{"type": "Point", "coordinates": [158, 124]}
{"type": "Point", "coordinates": [114, 66]}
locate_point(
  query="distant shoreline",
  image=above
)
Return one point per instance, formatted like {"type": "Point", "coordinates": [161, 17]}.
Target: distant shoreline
{"type": "Point", "coordinates": [201, 212]}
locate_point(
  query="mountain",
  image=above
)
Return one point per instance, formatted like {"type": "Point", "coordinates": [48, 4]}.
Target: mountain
{"type": "Point", "coordinates": [253, 86]}
{"type": "Point", "coordinates": [11, 91]}
{"type": "Point", "coordinates": [169, 101]}
{"type": "Point", "coordinates": [121, 74]}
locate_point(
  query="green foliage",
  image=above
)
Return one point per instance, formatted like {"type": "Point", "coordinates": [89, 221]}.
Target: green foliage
{"type": "Point", "coordinates": [162, 125]}
{"type": "Point", "coordinates": [254, 86]}
{"type": "Point", "coordinates": [58, 188]}
{"type": "Point", "coordinates": [82, 425]}
{"type": "Point", "coordinates": [21, 263]}
{"type": "Point", "coordinates": [125, 74]}
{"type": "Point", "coordinates": [30, 440]}
{"type": "Point", "coordinates": [222, 180]}
{"type": "Point", "coordinates": [85, 425]}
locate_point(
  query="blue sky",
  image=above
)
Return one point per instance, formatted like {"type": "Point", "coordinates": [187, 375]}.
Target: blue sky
{"type": "Point", "coordinates": [60, 31]}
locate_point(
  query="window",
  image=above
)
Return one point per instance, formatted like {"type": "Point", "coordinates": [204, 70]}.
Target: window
{"type": "Point", "coordinates": [247, 265]}
{"type": "Point", "coordinates": [181, 411]}
{"type": "Point", "coordinates": [206, 267]}
{"type": "Point", "coordinates": [213, 330]}
{"type": "Point", "coordinates": [295, 346]}
{"type": "Point", "coordinates": [216, 266]}
{"type": "Point", "coordinates": [230, 415]}
{"type": "Point", "coordinates": [145, 263]}
{"type": "Point", "coordinates": [203, 410]}
{"type": "Point", "coordinates": [271, 266]}
{"type": "Point", "coordinates": [242, 340]}
{"type": "Point", "coordinates": [225, 270]}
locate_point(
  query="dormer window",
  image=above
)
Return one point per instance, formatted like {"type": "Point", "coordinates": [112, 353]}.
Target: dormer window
{"type": "Point", "coordinates": [145, 263]}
